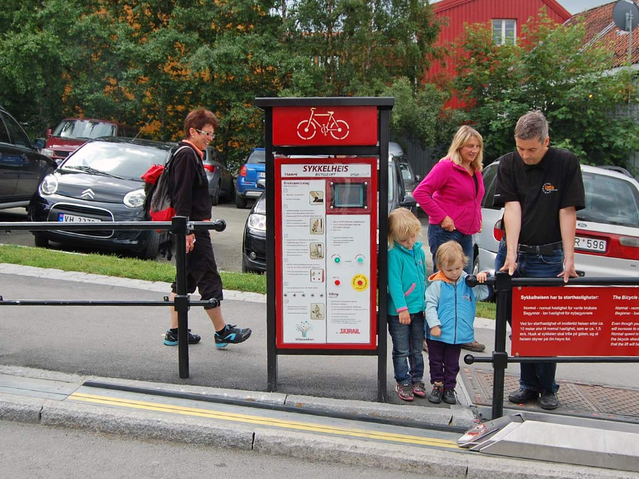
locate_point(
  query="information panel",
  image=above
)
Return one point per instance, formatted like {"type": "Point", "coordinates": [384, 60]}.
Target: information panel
{"type": "Point", "coordinates": [575, 321]}
{"type": "Point", "coordinates": [326, 226]}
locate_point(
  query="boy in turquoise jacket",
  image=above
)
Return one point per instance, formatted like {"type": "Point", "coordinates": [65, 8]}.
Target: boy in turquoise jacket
{"type": "Point", "coordinates": [406, 288]}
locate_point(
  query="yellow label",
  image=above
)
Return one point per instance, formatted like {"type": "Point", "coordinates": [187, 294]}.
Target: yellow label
{"type": "Point", "coordinates": [359, 282]}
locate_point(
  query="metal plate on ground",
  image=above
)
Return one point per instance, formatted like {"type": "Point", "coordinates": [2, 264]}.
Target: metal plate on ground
{"type": "Point", "coordinates": [575, 398]}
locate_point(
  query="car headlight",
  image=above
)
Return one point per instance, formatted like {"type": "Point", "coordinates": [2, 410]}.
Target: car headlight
{"type": "Point", "coordinates": [134, 199]}
{"type": "Point", "coordinates": [47, 152]}
{"type": "Point", "coordinates": [256, 222]}
{"type": "Point", "coordinates": [49, 185]}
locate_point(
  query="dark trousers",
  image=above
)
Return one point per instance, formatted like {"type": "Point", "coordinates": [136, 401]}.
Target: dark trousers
{"type": "Point", "coordinates": [443, 360]}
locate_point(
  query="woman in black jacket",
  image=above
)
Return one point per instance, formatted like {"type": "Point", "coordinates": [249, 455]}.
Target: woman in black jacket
{"type": "Point", "coordinates": [190, 198]}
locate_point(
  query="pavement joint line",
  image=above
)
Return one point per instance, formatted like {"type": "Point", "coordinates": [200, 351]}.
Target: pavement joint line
{"type": "Point", "coordinates": [259, 420]}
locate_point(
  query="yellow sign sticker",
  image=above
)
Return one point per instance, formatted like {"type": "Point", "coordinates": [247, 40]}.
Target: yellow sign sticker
{"type": "Point", "coordinates": [359, 282]}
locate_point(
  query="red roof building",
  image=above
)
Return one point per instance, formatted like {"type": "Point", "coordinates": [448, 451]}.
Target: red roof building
{"type": "Point", "coordinates": [505, 17]}
{"type": "Point", "coordinates": [601, 30]}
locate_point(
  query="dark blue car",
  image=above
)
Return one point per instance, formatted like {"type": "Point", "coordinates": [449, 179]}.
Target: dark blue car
{"type": "Point", "coordinates": [251, 180]}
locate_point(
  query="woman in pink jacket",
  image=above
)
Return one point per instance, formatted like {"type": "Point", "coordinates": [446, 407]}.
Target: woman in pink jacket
{"type": "Point", "coordinates": [451, 196]}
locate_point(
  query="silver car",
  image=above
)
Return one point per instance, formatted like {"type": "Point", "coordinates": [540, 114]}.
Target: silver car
{"type": "Point", "coordinates": [607, 238]}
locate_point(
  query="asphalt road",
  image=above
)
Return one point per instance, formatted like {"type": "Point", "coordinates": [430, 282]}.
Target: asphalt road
{"type": "Point", "coordinates": [227, 244]}
{"type": "Point", "coordinates": [72, 453]}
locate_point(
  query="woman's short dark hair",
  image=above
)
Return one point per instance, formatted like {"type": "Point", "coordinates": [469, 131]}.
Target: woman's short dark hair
{"type": "Point", "coordinates": [198, 119]}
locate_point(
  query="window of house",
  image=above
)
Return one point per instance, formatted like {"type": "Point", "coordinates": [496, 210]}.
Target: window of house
{"type": "Point", "coordinates": [504, 31]}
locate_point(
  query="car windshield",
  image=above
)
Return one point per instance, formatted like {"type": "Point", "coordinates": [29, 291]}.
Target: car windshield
{"type": "Point", "coordinates": [258, 156]}
{"type": "Point", "coordinates": [610, 200]}
{"type": "Point", "coordinates": [122, 160]}
{"type": "Point", "coordinates": [84, 129]}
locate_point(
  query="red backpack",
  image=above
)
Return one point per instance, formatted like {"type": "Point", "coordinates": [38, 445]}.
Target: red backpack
{"type": "Point", "coordinates": [156, 187]}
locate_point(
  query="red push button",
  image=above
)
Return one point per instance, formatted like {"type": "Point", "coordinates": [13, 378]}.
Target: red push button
{"type": "Point", "coordinates": [337, 282]}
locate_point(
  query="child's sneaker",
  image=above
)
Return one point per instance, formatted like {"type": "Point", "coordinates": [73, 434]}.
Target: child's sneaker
{"type": "Point", "coordinates": [435, 395]}
{"type": "Point", "coordinates": [405, 392]}
{"type": "Point", "coordinates": [231, 335]}
{"type": "Point", "coordinates": [171, 338]}
{"type": "Point", "coordinates": [419, 389]}
{"type": "Point", "coordinates": [449, 396]}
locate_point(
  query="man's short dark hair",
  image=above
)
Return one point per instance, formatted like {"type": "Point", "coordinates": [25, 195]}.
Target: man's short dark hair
{"type": "Point", "coordinates": [198, 119]}
{"type": "Point", "coordinates": [532, 125]}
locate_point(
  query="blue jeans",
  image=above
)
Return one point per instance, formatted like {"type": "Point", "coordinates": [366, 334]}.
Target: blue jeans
{"type": "Point", "coordinates": [535, 376]}
{"type": "Point", "coordinates": [438, 236]}
{"type": "Point", "coordinates": [408, 360]}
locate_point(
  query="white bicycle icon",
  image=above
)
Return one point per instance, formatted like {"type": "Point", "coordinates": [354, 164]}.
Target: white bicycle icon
{"type": "Point", "coordinates": [306, 129]}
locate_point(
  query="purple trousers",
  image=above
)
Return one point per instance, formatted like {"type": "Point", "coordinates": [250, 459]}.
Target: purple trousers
{"type": "Point", "coordinates": [443, 360]}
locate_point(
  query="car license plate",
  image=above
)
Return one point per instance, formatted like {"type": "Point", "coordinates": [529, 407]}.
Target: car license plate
{"type": "Point", "coordinates": [65, 218]}
{"type": "Point", "coordinates": [261, 174]}
{"type": "Point", "coordinates": [590, 244]}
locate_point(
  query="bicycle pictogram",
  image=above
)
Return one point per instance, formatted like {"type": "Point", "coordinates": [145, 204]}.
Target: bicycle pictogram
{"type": "Point", "coordinates": [306, 129]}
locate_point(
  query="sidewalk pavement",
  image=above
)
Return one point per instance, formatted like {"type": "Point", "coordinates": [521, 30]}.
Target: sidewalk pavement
{"type": "Point", "coordinates": [54, 398]}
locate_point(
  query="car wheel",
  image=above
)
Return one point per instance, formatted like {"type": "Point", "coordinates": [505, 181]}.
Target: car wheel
{"type": "Point", "coordinates": [215, 197]}
{"type": "Point", "coordinates": [152, 247]}
{"type": "Point", "coordinates": [40, 241]}
{"type": "Point", "coordinates": [240, 202]}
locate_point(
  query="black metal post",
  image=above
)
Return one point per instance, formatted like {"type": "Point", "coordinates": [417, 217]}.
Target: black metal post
{"type": "Point", "coordinates": [382, 255]}
{"type": "Point", "coordinates": [271, 286]}
{"type": "Point", "coordinates": [503, 287]}
{"type": "Point", "coordinates": [179, 230]}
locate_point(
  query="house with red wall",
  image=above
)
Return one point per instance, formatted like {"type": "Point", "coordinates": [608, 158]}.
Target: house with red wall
{"type": "Point", "coordinates": [505, 17]}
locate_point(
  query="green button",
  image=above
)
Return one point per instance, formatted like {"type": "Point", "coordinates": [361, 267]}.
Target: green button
{"type": "Point", "coordinates": [337, 260]}
{"type": "Point", "coordinates": [360, 260]}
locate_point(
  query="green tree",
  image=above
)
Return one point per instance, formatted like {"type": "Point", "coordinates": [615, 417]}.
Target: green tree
{"type": "Point", "coordinates": [550, 70]}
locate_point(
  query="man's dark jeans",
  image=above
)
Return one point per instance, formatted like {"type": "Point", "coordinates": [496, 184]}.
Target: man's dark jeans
{"type": "Point", "coordinates": [535, 376]}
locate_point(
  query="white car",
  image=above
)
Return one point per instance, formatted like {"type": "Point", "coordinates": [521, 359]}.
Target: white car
{"type": "Point", "coordinates": [607, 238]}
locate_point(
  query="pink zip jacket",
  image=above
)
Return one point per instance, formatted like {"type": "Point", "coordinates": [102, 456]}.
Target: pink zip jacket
{"type": "Point", "coordinates": [448, 190]}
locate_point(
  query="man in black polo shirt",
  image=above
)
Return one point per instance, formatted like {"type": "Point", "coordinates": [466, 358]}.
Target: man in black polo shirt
{"type": "Point", "coordinates": [541, 189]}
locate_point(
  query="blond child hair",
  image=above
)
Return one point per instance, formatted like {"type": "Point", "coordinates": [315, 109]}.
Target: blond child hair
{"type": "Point", "coordinates": [402, 224]}
{"type": "Point", "coordinates": [450, 253]}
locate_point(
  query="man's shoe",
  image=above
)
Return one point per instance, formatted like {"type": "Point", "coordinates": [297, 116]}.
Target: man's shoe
{"type": "Point", "coordinates": [449, 396]}
{"type": "Point", "coordinates": [419, 389]}
{"type": "Point", "coordinates": [435, 395]}
{"type": "Point", "coordinates": [405, 392]}
{"type": "Point", "coordinates": [548, 400]}
{"type": "Point", "coordinates": [474, 346]}
{"type": "Point", "coordinates": [522, 396]}
{"type": "Point", "coordinates": [231, 335]}
{"type": "Point", "coordinates": [171, 338]}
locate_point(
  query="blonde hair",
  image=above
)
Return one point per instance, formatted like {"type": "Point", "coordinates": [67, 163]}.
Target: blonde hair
{"type": "Point", "coordinates": [402, 224]}
{"type": "Point", "coordinates": [450, 253]}
{"type": "Point", "coordinates": [463, 136]}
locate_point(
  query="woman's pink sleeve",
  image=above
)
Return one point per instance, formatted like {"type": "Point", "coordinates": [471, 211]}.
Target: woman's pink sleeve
{"type": "Point", "coordinates": [424, 192]}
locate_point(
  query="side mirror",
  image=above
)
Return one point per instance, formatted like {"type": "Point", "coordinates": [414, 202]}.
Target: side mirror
{"type": "Point", "coordinates": [408, 202]}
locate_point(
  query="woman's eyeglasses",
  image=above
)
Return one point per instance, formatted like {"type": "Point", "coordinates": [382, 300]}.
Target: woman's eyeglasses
{"type": "Point", "coordinates": [209, 134]}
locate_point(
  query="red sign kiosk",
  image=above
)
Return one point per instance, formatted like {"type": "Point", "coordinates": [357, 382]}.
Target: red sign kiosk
{"type": "Point", "coordinates": [326, 166]}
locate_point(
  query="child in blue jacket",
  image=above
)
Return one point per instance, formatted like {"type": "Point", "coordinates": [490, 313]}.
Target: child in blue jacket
{"type": "Point", "coordinates": [450, 314]}
{"type": "Point", "coordinates": [406, 287]}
